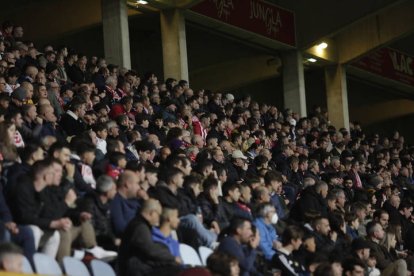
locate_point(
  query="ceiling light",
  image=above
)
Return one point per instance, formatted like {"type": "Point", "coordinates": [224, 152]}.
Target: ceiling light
{"type": "Point", "coordinates": [142, 2]}
{"type": "Point", "coordinates": [312, 60]}
{"type": "Point", "coordinates": [323, 45]}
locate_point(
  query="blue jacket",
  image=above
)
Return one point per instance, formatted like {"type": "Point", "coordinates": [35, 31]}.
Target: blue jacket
{"type": "Point", "coordinates": [246, 256]}
{"type": "Point", "coordinates": [275, 200]}
{"type": "Point", "coordinates": [122, 212]}
{"type": "Point", "coordinates": [173, 246]}
{"type": "Point", "coordinates": [267, 236]}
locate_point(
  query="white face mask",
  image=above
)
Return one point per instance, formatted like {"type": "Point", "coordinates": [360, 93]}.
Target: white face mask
{"type": "Point", "coordinates": [275, 218]}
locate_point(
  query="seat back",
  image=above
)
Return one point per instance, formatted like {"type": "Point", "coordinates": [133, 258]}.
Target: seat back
{"type": "Point", "coordinates": [27, 267]}
{"type": "Point", "coordinates": [46, 265]}
{"type": "Point", "coordinates": [74, 267]}
{"type": "Point", "coordinates": [204, 253]}
{"type": "Point", "coordinates": [189, 255]}
{"type": "Point", "coordinates": [100, 268]}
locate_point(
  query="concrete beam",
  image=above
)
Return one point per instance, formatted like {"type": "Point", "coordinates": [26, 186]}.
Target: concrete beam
{"type": "Point", "coordinates": [392, 109]}
{"type": "Point", "coordinates": [236, 73]}
{"type": "Point", "coordinates": [174, 44]}
{"type": "Point", "coordinates": [337, 95]}
{"type": "Point", "coordinates": [375, 31]}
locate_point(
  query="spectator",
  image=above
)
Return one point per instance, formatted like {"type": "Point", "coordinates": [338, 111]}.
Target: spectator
{"type": "Point", "coordinates": [265, 220]}
{"type": "Point", "coordinates": [138, 253]}
{"type": "Point", "coordinates": [241, 244]}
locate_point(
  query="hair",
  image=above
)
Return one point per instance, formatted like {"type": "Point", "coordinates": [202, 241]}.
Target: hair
{"type": "Point", "coordinates": [349, 265]}
{"type": "Point", "coordinates": [27, 152]}
{"type": "Point", "coordinates": [191, 180]}
{"type": "Point", "coordinates": [39, 167]}
{"type": "Point", "coordinates": [171, 173]}
{"type": "Point", "coordinates": [7, 249]}
{"type": "Point", "coordinates": [372, 227]}
{"type": "Point", "coordinates": [209, 183]}
{"type": "Point", "coordinates": [220, 263]}
{"type": "Point", "coordinates": [378, 213]}
{"type": "Point", "coordinates": [272, 176]}
{"type": "Point", "coordinates": [228, 187]}
{"type": "Point", "coordinates": [319, 185]}
{"type": "Point", "coordinates": [115, 157]}
{"type": "Point", "coordinates": [104, 184]}
{"type": "Point", "coordinates": [263, 209]}
{"type": "Point", "coordinates": [292, 232]}
{"type": "Point", "coordinates": [166, 214]}
{"type": "Point", "coordinates": [235, 224]}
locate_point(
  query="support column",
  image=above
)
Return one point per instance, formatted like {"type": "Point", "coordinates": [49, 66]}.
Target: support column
{"type": "Point", "coordinates": [116, 32]}
{"type": "Point", "coordinates": [337, 96]}
{"type": "Point", "coordinates": [294, 82]}
{"type": "Point", "coordinates": [174, 47]}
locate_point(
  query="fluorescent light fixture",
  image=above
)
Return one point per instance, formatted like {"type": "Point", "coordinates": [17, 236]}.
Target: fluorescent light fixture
{"type": "Point", "coordinates": [142, 2]}
{"type": "Point", "coordinates": [323, 45]}
{"type": "Point", "coordinates": [312, 60]}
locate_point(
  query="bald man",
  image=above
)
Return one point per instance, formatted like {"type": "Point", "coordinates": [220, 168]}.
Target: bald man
{"type": "Point", "coordinates": [138, 253]}
{"type": "Point", "coordinates": [126, 203]}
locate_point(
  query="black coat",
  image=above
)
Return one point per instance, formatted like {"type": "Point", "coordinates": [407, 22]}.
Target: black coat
{"type": "Point", "coordinates": [309, 202]}
{"type": "Point", "coordinates": [137, 245]}
{"type": "Point", "coordinates": [212, 212]}
{"type": "Point", "coordinates": [72, 126]}
{"type": "Point", "coordinates": [27, 205]}
{"type": "Point", "coordinates": [100, 213]}
{"type": "Point", "coordinates": [169, 200]}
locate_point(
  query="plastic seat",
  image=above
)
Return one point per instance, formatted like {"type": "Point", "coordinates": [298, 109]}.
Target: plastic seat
{"type": "Point", "coordinates": [189, 255]}
{"type": "Point", "coordinates": [204, 253]}
{"type": "Point", "coordinates": [27, 267]}
{"type": "Point", "coordinates": [74, 267]}
{"type": "Point", "coordinates": [46, 265]}
{"type": "Point", "coordinates": [100, 268]}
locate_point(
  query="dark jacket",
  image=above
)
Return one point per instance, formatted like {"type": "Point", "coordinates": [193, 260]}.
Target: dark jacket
{"type": "Point", "coordinates": [137, 243]}
{"type": "Point", "coordinates": [122, 212]}
{"type": "Point", "coordinates": [71, 125]}
{"type": "Point", "coordinates": [212, 212]}
{"type": "Point", "coordinates": [188, 200]}
{"type": "Point", "coordinates": [232, 210]}
{"type": "Point", "coordinates": [246, 256]}
{"type": "Point", "coordinates": [381, 254]}
{"type": "Point", "coordinates": [170, 200]}
{"type": "Point", "coordinates": [28, 205]}
{"type": "Point", "coordinates": [101, 221]}
{"type": "Point", "coordinates": [310, 202]}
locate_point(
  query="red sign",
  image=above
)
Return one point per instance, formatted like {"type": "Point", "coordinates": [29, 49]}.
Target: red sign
{"type": "Point", "coordinates": [389, 63]}
{"type": "Point", "coordinates": [255, 16]}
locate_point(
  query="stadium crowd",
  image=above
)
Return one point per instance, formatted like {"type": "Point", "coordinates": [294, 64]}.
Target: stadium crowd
{"type": "Point", "coordinates": [100, 159]}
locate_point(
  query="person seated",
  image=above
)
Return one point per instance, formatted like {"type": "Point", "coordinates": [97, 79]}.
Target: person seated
{"type": "Point", "coordinates": [231, 196]}
{"type": "Point", "coordinates": [167, 194]}
{"type": "Point", "coordinates": [126, 203]}
{"type": "Point", "coordinates": [264, 222]}
{"type": "Point", "coordinates": [60, 199]}
{"type": "Point", "coordinates": [27, 204]}
{"type": "Point", "coordinates": [284, 259]}
{"type": "Point", "coordinates": [97, 204]}
{"type": "Point", "coordinates": [169, 222]}
{"type": "Point", "coordinates": [212, 208]}
{"type": "Point", "coordinates": [241, 243]}
{"type": "Point", "coordinates": [139, 254]}
{"type": "Point", "coordinates": [375, 233]}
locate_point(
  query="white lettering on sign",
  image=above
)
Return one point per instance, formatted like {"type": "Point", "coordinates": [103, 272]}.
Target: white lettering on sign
{"type": "Point", "coordinates": [402, 63]}
{"type": "Point", "coordinates": [272, 21]}
{"type": "Point", "coordinates": [223, 7]}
